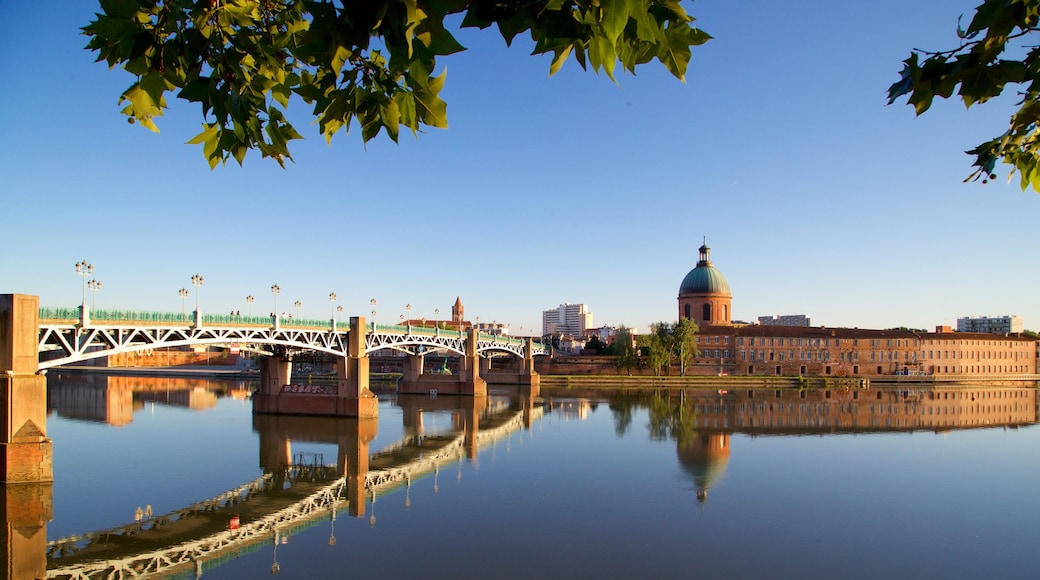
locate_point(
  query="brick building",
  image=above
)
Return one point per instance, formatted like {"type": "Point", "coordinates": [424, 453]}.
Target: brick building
{"type": "Point", "coordinates": [739, 349]}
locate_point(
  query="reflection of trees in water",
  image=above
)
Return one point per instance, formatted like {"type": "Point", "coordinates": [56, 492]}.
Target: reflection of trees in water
{"type": "Point", "coordinates": [670, 417]}
{"type": "Point", "coordinates": [622, 412]}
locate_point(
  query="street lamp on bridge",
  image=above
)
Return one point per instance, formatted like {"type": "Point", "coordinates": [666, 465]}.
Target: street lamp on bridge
{"type": "Point", "coordinates": [197, 280]}
{"type": "Point", "coordinates": [95, 287]}
{"type": "Point", "coordinates": [373, 303]}
{"type": "Point", "coordinates": [332, 300]}
{"type": "Point", "coordinates": [84, 269]}
{"type": "Point", "coordinates": [276, 290]}
{"type": "Point", "coordinates": [183, 293]}
{"type": "Point", "coordinates": [249, 300]}
{"type": "Point", "coordinates": [298, 304]}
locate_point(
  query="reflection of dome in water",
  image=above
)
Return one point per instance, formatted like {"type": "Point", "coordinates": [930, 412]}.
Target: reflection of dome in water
{"type": "Point", "coordinates": [704, 459]}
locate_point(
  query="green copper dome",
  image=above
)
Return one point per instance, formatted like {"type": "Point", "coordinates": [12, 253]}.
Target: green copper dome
{"type": "Point", "coordinates": [705, 278]}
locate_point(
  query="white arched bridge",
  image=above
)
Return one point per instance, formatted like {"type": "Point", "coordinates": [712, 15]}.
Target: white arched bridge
{"type": "Point", "coordinates": [64, 339]}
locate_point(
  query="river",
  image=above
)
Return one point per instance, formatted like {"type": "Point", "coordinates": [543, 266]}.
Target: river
{"type": "Point", "coordinates": [718, 483]}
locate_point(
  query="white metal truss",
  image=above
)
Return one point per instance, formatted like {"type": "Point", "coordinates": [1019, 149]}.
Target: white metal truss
{"type": "Point", "coordinates": [78, 344]}
{"type": "Point", "coordinates": [319, 505]}
{"type": "Point", "coordinates": [415, 342]}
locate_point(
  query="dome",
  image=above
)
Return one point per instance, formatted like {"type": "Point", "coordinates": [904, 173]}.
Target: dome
{"type": "Point", "coordinates": [705, 278]}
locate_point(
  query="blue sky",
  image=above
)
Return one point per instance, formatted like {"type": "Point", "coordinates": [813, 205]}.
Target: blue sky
{"type": "Point", "coordinates": [814, 196]}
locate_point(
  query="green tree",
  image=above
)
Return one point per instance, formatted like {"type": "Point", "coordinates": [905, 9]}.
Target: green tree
{"type": "Point", "coordinates": [370, 62]}
{"type": "Point", "coordinates": [684, 342]}
{"type": "Point", "coordinates": [996, 52]}
{"type": "Point", "coordinates": [671, 341]}
{"type": "Point", "coordinates": [594, 345]}
{"type": "Point", "coordinates": [660, 347]}
{"type": "Point", "coordinates": [623, 349]}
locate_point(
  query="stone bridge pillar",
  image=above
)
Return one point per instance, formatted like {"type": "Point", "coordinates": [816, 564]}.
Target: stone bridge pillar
{"type": "Point", "coordinates": [472, 383]}
{"type": "Point", "coordinates": [528, 376]}
{"type": "Point", "coordinates": [413, 367]}
{"type": "Point", "coordinates": [25, 451]}
{"type": "Point", "coordinates": [275, 372]}
{"type": "Point", "coordinates": [352, 386]}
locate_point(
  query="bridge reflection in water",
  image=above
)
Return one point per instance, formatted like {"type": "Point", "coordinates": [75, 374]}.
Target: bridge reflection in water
{"type": "Point", "coordinates": [296, 491]}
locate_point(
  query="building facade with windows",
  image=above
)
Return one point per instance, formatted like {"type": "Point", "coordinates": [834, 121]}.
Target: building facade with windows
{"type": "Point", "coordinates": [802, 350]}
{"type": "Point", "coordinates": [990, 324]}
{"type": "Point", "coordinates": [785, 320]}
{"type": "Point", "coordinates": [568, 319]}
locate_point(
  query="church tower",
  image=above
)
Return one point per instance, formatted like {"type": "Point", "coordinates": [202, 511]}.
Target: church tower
{"type": "Point", "coordinates": [456, 313]}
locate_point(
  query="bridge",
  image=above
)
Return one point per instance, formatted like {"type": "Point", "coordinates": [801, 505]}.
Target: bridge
{"type": "Point", "coordinates": [69, 335]}
{"type": "Point", "coordinates": [64, 332]}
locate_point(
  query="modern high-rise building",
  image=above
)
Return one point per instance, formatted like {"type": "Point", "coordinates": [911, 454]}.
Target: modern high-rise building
{"type": "Point", "coordinates": [990, 324]}
{"type": "Point", "coordinates": [569, 319]}
{"type": "Point", "coordinates": [785, 320]}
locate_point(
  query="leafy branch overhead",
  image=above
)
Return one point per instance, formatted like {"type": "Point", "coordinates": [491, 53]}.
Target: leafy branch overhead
{"type": "Point", "coordinates": [369, 62]}
{"type": "Point", "coordinates": [994, 53]}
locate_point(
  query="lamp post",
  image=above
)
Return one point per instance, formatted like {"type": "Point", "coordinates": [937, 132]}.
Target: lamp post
{"type": "Point", "coordinates": [298, 304]}
{"type": "Point", "coordinates": [408, 308]}
{"type": "Point", "coordinates": [275, 291]}
{"type": "Point", "coordinates": [95, 287]}
{"type": "Point", "coordinates": [84, 269]}
{"type": "Point", "coordinates": [437, 317]}
{"type": "Point", "coordinates": [183, 293]}
{"type": "Point", "coordinates": [197, 281]}
{"type": "Point", "coordinates": [373, 303]}
{"type": "Point", "coordinates": [249, 300]}
{"type": "Point", "coordinates": [339, 312]}
{"type": "Point", "coordinates": [332, 299]}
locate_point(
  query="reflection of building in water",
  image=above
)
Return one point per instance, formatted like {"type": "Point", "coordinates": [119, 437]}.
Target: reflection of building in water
{"type": "Point", "coordinates": [90, 398]}
{"type": "Point", "coordinates": [704, 458]}
{"type": "Point", "coordinates": [780, 411]}
{"type": "Point", "coordinates": [717, 414]}
{"type": "Point", "coordinates": [577, 408]}
{"type": "Point", "coordinates": [196, 398]}
{"type": "Point", "coordinates": [111, 399]}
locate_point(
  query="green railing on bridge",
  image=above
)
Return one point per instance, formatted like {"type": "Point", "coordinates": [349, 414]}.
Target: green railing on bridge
{"type": "Point", "coordinates": [178, 318]}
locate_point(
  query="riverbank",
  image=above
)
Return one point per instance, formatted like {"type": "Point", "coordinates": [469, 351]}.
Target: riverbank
{"type": "Point", "coordinates": [769, 382]}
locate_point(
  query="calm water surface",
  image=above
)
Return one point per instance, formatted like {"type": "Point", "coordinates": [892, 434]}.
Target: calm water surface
{"type": "Point", "coordinates": [914, 483]}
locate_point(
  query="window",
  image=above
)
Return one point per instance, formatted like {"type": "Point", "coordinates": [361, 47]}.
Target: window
{"type": "Point", "coordinates": [686, 312]}
{"type": "Point", "coordinates": [706, 311]}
